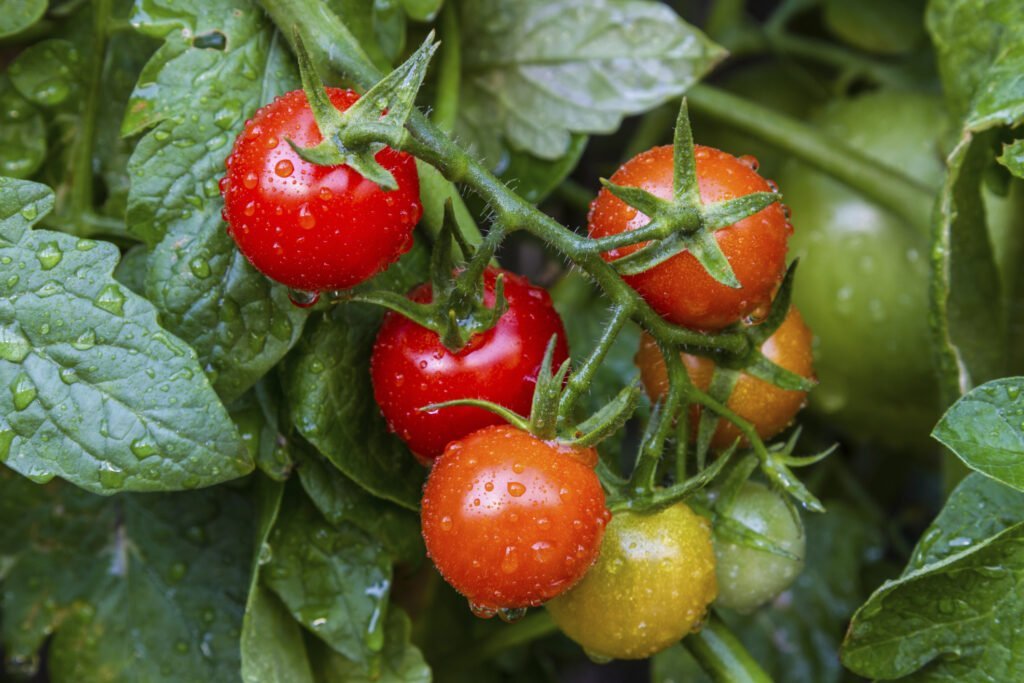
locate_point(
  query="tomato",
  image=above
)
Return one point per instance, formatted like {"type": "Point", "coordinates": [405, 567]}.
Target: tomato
{"type": "Point", "coordinates": [411, 368]}
{"type": "Point", "coordinates": [769, 408]}
{"type": "Point", "coordinates": [651, 586]}
{"type": "Point", "coordinates": [748, 577]}
{"type": "Point", "coordinates": [511, 521]}
{"type": "Point", "coordinates": [680, 289]}
{"type": "Point", "coordinates": [863, 278]}
{"type": "Point", "coordinates": [312, 227]}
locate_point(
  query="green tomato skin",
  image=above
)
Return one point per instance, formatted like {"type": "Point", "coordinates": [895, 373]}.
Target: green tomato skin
{"type": "Point", "coordinates": [748, 577]}
{"type": "Point", "coordinates": [863, 278]}
{"type": "Point", "coordinates": [650, 587]}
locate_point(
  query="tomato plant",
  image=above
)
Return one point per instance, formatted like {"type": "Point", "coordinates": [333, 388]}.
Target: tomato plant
{"type": "Point", "coordinates": [411, 368]}
{"type": "Point", "coordinates": [651, 586]}
{"type": "Point", "coordinates": [512, 521]}
{"type": "Point", "coordinates": [680, 288]}
{"type": "Point", "coordinates": [307, 226]}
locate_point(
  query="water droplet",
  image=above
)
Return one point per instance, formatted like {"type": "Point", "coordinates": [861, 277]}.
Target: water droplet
{"type": "Point", "coordinates": [511, 614]}
{"type": "Point", "coordinates": [303, 299]}
{"type": "Point", "coordinates": [596, 658]}
{"type": "Point", "coordinates": [227, 114]}
{"type": "Point", "coordinates": [49, 255]}
{"type": "Point", "coordinates": [284, 168]}
{"type": "Point", "coordinates": [14, 347]}
{"type": "Point", "coordinates": [249, 209]}
{"type": "Point", "coordinates": [510, 562]}
{"type": "Point", "coordinates": [23, 391]}
{"type": "Point", "coordinates": [446, 523]}
{"type": "Point", "coordinates": [516, 489]}
{"type": "Point", "coordinates": [250, 180]}
{"type": "Point", "coordinates": [29, 212]}
{"type": "Point", "coordinates": [142, 448]}
{"type": "Point", "coordinates": [68, 375]}
{"type": "Point", "coordinates": [111, 476]}
{"type": "Point", "coordinates": [482, 611]}
{"type": "Point", "coordinates": [85, 245]}
{"type": "Point", "coordinates": [307, 221]}
{"type": "Point", "coordinates": [85, 341]}
{"type": "Point", "coordinates": [200, 267]}
{"type": "Point", "coordinates": [111, 299]}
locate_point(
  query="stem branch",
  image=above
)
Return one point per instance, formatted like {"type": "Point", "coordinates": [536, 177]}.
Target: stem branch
{"type": "Point", "coordinates": [722, 656]}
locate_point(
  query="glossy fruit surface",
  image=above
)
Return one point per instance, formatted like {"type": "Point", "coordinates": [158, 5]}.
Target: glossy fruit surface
{"type": "Point", "coordinates": [748, 577]}
{"type": "Point", "coordinates": [310, 227]}
{"type": "Point", "coordinates": [411, 368]}
{"type": "Point", "coordinates": [769, 408]}
{"type": "Point", "coordinates": [650, 587]}
{"type": "Point", "coordinates": [863, 279]}
{"type": "Point", "coordinates": [680, 289]}
{"type": "Point", "coordinates": [511, 521]}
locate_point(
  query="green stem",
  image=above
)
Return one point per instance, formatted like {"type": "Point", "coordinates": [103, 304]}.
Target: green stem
{"type": "Point", "coordinates": [449, 70]}
{"type": "Point", "coordinates": [838, 57]}
{"type": "Point", "coordinates": [582, 377]}
{"type": "Point", "coordinates": [722, 656]}
{"type": "Point", "coordinates": [888, 187]}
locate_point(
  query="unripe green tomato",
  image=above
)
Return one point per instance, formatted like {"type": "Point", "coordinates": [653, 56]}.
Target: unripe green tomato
{"type": "Point", "coordinates": [862, 284]}
{"type": "Point", "coordinates": [651, 585]}
{"type": "Point", "coordinates": [748, 577]}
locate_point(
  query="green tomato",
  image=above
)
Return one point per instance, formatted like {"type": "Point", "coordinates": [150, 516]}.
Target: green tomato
{"type": "Point", "coordinates": [749, 577]}
{"type": "Point", "coordinates": [651, 585]}
{"type": "Point", "coordinates": [862, 284]}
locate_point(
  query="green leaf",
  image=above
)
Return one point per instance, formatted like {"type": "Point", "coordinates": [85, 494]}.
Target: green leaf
{"type": "Point", "coordinates": [948, 620]}
{"type": "Point", "coordinates": [401, 661]}
{"type": "Point", "coordinates": [1013, 158]}
{"type": "Point", "coordinates": [22, 133]}
{"type": "Point", "coordinates": [534, 178]}
{"type": "Point", "coordinates": [335, 580]}
{"type": "Point", "coordinates": [131, 269]}
{"type": "Point", "coordinates": [193, 99]}
{"type": "Point", "coordinates": [422, 10]}
{"type": "Point", "coordinates": [272, 647]}
{"type": "Point", "coordinates": [96, 392]}
{"type": "Point", "coordinates": [985, 429]}
{"type": "Point", "coordinates": [48, 73]}
{"type": "Point", "coordinates": [137, 588]}
{"type": "Point", "coordinates": [260, 417]}
{"type": "Point", "coordinates": [880, 26]}
{"type": "Point", "coordinates": [537, 71]}
{"type": "Point", "coordinates": [18, 15]}
{"type": "Point", "coordinates": [331, 399]}
{"type": "Point", "coordinates": [341, 501]}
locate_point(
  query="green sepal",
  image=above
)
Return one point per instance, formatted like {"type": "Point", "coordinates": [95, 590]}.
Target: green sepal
{"type": "Point", "coordinates": [760, 367]}
{"type": "Point", "coordinates": [685, 188]}
{"type": "Point", "coordinates": [723, 214]}
{"type": "Point", "coordinates": [513, 418]}
{"type": "Point", "coordinates": [544, 411]}
{"type": "Point", "coordinates": [610, 418]}
{"type": "Point", "coordinates": [657, 498]}
{"type": "Point", "coordinates": [723, 381]}
{"type": "Point", "coordinates": [702, 244]}
{"type": "Point", "coordinates": [638, 198]}
{"type": "Point", "coordinates": [778, 472]}
{"type": "Point", "coordinates": [759, 333]}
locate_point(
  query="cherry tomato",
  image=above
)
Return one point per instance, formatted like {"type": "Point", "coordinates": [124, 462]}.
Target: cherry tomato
{"type": "Point", "coordinates": [769, 408]}
{"type": "Point", "coordinates": [511, 521]}
{"type": "Point", "coordinates": [651, 586]}
{"type": "Point", "coordinates": [411, 368]}
{"type": "Point", "coordinates": [680, 289]}
{"type": "Point", "coordinates": [748, 577]}
{"type": "Point", "coordinates": [312, 227]}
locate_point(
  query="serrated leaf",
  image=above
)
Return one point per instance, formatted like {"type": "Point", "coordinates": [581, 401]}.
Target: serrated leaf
{"type": "Point", "coordinates": [136, 587]}
{"type": "Point", "coordinates": [537, 71]}
{"type": "Point", "coordinates": [335, 580]}
{"type": "Point", "coordinates": [96, 391]}
{"type": "Point", "coordinates": [331, 399]}
{"type": "Point", "coordinates": [985, 429]}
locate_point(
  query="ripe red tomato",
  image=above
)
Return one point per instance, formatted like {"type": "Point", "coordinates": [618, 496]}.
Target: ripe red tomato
{"type": "Point", "coordinates": [769, 408]}
{"type": "Point", "coordinates": [512, 521]}
{"type": "Point", "coordinates": [312, 227]}
{"type": "Point", "coordinates": [411, 368]}
{"type": "Point", "coordinates": [680, 289]}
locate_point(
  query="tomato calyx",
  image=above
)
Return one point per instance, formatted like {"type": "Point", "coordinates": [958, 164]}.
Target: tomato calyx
{"type": "Point", "coordinates": [683, 223]}
{"type": "Point", "coordinates": [355, 136]}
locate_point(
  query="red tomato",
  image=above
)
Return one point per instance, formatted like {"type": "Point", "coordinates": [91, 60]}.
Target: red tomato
{"type": "Point", "coordinates": [312, 227]}
{"type": "Point", "coordinates": [680, 289]}
{"type": "Point", "coordinates": [512, 521]}
{"type": "Point", "coordinates": [411, 368]}
{"type": "Point", "coordinates": [766, 406]}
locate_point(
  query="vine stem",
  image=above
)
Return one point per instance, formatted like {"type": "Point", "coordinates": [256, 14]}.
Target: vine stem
{"type": "Point", "coordinates": [888, 187]}
{"type": "Point", "coordinates": [446, 103]}
{"type": "Point", "coordinates": [722, 656]}
{"type": "Point", "coordinates": [580, 379]}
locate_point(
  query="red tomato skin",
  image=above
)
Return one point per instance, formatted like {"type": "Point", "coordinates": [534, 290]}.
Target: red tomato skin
{"type": "Point", "coordinates": [512, 521]}
{"type": "Point", "coordinates": [311, 227]}
{"type": "Point", "coordinates": [411, 368]}
{"type": "Point", "coordinates": [679, 289]}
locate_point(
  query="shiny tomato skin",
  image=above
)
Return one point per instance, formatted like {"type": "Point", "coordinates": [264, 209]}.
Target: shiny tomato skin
{"type": "Point", "coordinates": [769, 408]}
{"type": "Point", "coordinates": [312, 227]}
{"type": "Point", "coordinates": [511, 521]}
{"type": "Point", "coordinates": [679, 289]}
{"type": "Point", "coordinates": [650, 587]}
{"type": "Point", "coordinates": [411, 368]}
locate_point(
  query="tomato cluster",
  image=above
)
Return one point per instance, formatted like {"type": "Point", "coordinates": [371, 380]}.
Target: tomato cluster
{"type": "Point", "coordinates": [511, 519]}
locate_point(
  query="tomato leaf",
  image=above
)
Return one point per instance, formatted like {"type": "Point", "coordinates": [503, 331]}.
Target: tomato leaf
{"type": "Point", "coordinates": [537, 71]}
{"type": "Point", "coordinates": [1013, 158]}
{"type": "Point", "coordinates": [48, 73]}
{"type": "Point", "coordinates": [985, 429]}
{"type": "Point", "coordinates": [18, 16]}
{"type": "Point", "coordinates": [134, 586]}
{"type": "Point", "coordinates": [957, 610]}
{"type": "Point", "coordinates": [98, 394]}
{"type": "Point", "coordinates": [400, 662]}
{"type": "Point", "coordinates": [22, 135]}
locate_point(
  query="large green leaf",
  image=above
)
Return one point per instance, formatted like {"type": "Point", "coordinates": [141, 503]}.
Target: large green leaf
{"type": "Point", "coordinates": [327, 381]}
{"type": "Point", "coordinates": [536, 71]}
{"type": "Point", "coordinates": [137, 588]}
{"type": "Point", "coordinates": [985, 429]}
{"type": "Point", "coordinates": [22, 133]}
{"type": "Point", "coordinates": [96, 392]}
{"type": "Point", "coordinates": [18, 15]}
{"type": "Point", "coordinates": [400, 662]}
{"type": "Point", "coordinates": [220, 60]}
{"type": "Point", "coordinates": [956, 613]}
{"type": "Point", "coordinates": [980, 58]}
